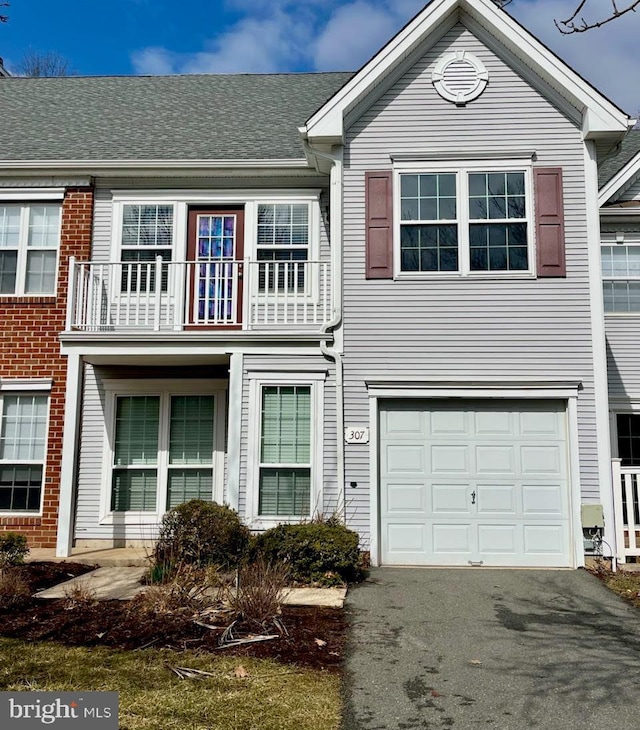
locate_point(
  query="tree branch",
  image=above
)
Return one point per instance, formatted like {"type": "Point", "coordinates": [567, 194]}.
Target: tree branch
{"type": "Point", "coordinates": [4, 18]}
{"type": "Point", "coordinates": [574, 24]}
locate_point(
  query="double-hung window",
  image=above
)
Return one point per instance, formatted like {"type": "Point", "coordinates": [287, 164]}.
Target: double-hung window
{"type": "Point", "coordinates": [286, 450]}
{"type": "Point", "coordinates": [164, 451]}
{"type": "Point", "coordinates": [23, 435]}
{"type": "Point", "coordinates": [621, 272]}
{"type": "Point", "coordinates": [147, 232]}
{"type": "Point", "coordinates": [29, 242]}
{"type": "Point", "coordinates": [282, 246]}
{"type": "Point", "coordinates": [466, 221]}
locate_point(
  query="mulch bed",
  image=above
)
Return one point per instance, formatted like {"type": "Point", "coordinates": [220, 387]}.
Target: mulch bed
{"type": "Point", "coordinates": [123, 625]}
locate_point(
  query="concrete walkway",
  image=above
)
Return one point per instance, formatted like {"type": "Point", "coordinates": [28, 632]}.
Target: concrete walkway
{"type": "Point", "coordinates": [500, 650]}
{"type": "Point", "coordinates": [123, 583]}
{"type": "Point", "coordinates": [105, 557]}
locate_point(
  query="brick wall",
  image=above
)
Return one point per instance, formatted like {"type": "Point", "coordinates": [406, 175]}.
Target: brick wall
{"type": "Point", "coordinates": [29, 348]}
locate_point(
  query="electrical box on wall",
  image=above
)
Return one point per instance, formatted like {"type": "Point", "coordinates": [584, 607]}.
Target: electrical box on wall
{"type": "Point", "coordinates": [592, 516]}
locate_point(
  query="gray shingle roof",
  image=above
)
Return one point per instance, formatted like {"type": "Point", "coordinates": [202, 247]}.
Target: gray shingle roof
{"type": "Point", "coordinates": [610, 167]}
{"type": "Point", "coordinates": [204, 117]}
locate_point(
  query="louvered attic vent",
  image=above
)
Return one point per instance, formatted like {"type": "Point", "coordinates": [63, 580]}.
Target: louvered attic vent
{"type": "Point", "coordinates": [460, 77]}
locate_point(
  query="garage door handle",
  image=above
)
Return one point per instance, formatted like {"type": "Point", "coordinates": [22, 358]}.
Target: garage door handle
{"type": "Point", "coordinates": [473, 497]}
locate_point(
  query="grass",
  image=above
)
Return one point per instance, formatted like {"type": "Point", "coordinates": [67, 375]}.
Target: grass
{"type": "Point", "coordinates": [272, 697]}
{"type": "Point", "coordinates": [626, 585]}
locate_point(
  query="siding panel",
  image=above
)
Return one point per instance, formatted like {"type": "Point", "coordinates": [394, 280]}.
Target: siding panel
{"type": "Point", "coordinates": [464, 329]}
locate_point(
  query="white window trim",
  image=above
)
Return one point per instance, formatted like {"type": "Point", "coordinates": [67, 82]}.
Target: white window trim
{"type": "Point", "coordinates": [315, 380]}
{"type": "Point", "coordinates": [23, 248]}
{"type": "Point", "coordinates": [461, 169]}
{"type": "Point", "coordinates": [164, 388]}
{"type": "Point", "coordinates": [27, 195]}
{"type": "Point", "coordinates": [182, 200]}
{"type": "Point", "coordinates": [26, 390]}
{"type": "Point", "coordinates": [622, 241]}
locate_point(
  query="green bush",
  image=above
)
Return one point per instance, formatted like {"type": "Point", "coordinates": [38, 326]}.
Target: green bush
{"type": "Point", "coordinates": [201, 533]}
{"type": "Point", "coordinates": [13, 549]}
{"type": "Point", "coordinates": [324, 552]}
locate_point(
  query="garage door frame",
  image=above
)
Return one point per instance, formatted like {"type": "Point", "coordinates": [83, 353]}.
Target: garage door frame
{"type": "Point", "coordinates": [564, 391]}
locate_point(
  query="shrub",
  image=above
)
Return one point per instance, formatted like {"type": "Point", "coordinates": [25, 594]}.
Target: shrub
{"type": "Point", "coordinates": [323, 552]}
{"type": "Point", "coordinates": [14, 589]}
{"type": "Point", "coordinates": [190, 589]}
{"type": "Point", "coordinates": [258, 596]}
{"type": "Point", "coordinates": [201, 533]}
{"type": "Point", "coordinates": [13, 549]}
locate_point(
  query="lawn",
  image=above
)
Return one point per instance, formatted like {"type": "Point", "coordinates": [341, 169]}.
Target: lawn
{"type": "Point", "coordinates": [271, 696]}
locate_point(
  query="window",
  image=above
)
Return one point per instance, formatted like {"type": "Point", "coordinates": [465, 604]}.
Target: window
{"type": "Point", "coordinates": [23, 433]}
{"type": "Point", "coordinates": [29, 241]}
{"type": "Point", "coordinates": [465, 221]}
{"type": "Point", "coordinates": [283, 241]}
{"type": "Point", "coordinates": [164, 450]}
{"type": "Point", "coordinates": [621, 277]}
{"type": "Point", "coordinates": [147, 232]}
{"type": "Point", "coordinates": [285, 451]}
{"type": "Point", "coordinates": [628, 426]}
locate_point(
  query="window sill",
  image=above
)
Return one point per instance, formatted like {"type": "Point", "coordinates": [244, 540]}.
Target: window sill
{"type": "Point", "coordinates": [266, 523]}
{"type": "Point", "coordinates": [28, 298]}
{"type": "Point", "coordinates": [493, 276]}
{"type": "Point", "coordinates": [131, 518]}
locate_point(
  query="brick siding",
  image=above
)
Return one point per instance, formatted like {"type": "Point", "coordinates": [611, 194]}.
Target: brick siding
{"type": "Point", "coordinates": [29, 348]}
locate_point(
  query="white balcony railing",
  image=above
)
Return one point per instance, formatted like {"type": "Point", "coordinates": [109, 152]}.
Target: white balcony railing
{"type": "Point", "coordinates": [626, 501]}
{"type": "Point", "coordinates": [177, 295]}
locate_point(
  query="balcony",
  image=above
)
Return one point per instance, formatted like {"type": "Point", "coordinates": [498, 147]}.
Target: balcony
{"type": "Point", "coordinates": [159, 295]}
{"type": "Point", "coordinates": [626, 501]}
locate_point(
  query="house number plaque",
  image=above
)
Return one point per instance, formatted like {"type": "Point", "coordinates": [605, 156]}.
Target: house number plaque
{"type": "Point", "coordinates": [356, 435]}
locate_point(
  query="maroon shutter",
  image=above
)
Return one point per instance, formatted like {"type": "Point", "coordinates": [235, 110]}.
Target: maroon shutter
{"type": "Point", "coordinates": [379, 233]}
{"type": "Point", "coordinates": [549, 208]}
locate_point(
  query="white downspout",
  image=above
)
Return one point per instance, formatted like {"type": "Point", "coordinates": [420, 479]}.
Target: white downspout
{"type": "Point", "coordinates": [335, 233]}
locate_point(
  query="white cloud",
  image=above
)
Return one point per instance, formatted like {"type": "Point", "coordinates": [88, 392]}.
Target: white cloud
{"type": "Point", "coordinates": [285, 35]}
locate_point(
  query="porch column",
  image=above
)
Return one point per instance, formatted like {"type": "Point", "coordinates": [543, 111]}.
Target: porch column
{"type": "Point", "coordinates": [236, 367]}
{"type": "Point", "coordinates": [70, 440]}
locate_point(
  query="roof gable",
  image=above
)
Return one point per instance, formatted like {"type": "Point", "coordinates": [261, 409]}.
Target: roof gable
{"type": "Point", "coordinates": [600, 117]}
{"type": "Point", "coordinates": [619, 171]}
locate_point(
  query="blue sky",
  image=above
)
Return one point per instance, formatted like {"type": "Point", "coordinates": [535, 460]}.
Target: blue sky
{"type": "Point", "coordinates": [226, 36]}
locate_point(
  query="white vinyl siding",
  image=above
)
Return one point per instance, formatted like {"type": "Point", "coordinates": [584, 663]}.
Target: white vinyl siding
{"type": "Point", "coordinates": [23, 434]}
{"type": "Point", "coordinates": [29, 242]}
{"type": "Point", "coordinates": [475, 327]}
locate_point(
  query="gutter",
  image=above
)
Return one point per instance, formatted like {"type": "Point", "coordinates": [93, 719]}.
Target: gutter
{"type": "Point", "coordinates": [331, 352]}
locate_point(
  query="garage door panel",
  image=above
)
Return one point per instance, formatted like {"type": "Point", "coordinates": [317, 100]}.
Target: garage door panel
{"type": "Point", "coordinates": [452, 538]}
{"type": "Point", "coordinates": [409, 459]}
{"type": "Point", "coordinates": [450, 499]}
{"type": "Point", "coordinates": [405, 423]}
{"type": "Point", "coordinates": [496, 499]}
{"type": "Point", "coordinates": [544, 539]}
{"type": "Point", "coordinates": [495, 459]}
{"type": "Point", "coordinates": [450, 459]}
{"type": "Point", "coordinates": [491, 423]}
{"type": "Point", "coordinates": [547, 424]}
{"type": "Point", "coordinates": [406, 537]}
{"type": "Point", "coordinates": [543, 460]}
{"type": "Point", "coordinates": [405, 498]}
{"type": "Point", "coordinates": [474, 481]}
{"type": "Point", "coordinates": [544, 499]}
{"type": "Point", "coordinates": [450, 423]}
{"type": "Point", "coordinates": [498, 539]}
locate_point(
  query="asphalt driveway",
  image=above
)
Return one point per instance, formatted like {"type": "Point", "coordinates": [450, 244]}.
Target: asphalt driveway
{"type": "Point", "coordinates": [478, 648]}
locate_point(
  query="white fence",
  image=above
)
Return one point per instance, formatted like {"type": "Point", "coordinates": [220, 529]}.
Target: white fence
{"type": "Point", "coordinates": [176, 295]}
{"type": "Point", "coordinates": [626, 481]}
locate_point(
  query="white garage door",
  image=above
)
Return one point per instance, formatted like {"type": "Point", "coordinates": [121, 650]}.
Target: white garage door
{"type": "Point", "coordinates": [474, 482]}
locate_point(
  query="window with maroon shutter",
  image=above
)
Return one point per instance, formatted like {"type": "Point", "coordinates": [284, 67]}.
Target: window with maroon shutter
{"type": "Point", "coordinates": [379, 224]}
{"type": "Point", "coordinates": [549, 222]}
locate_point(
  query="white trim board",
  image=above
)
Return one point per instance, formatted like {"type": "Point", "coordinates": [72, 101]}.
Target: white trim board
{"type": "Point", "coordinates": [600, 117]}
{"type": "Point", "coordinates": [618, 182]}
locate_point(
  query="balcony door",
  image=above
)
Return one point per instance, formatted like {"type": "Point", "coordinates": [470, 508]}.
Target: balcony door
{"type": "Point", "coordinates": [216, 248]}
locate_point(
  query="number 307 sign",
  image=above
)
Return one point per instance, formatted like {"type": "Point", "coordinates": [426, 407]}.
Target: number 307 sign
{"type": "Point", "coordinates": [356, 435]}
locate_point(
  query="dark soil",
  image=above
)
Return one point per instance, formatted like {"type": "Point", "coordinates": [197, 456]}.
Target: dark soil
{"type": "Point", "coordinates": [127, 625]}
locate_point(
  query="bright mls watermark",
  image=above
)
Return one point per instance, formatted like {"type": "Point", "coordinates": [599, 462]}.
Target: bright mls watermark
{"type": "Point", "coordinates": [60, 710]}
